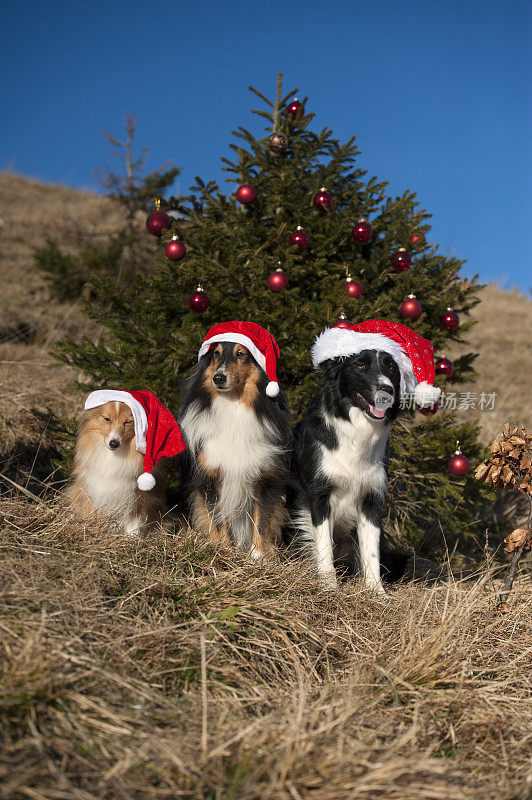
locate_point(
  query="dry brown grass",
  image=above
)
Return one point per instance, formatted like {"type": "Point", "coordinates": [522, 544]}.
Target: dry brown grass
{"type": "Point", "coordinates": [30, 212]}
{"type": "Point", "coordinates": [503, 339]}
{"type": "Point", "coordinates": [104, 692]}
{"type": "Point", "coordinates": [30, 321]}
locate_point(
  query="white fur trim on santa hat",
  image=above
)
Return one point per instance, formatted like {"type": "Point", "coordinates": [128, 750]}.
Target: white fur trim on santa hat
{"type": "Point", "coordinates": [146, 481]}
{"type": "Point", "coordinates": [238, 338]}
{"type": "Point", "coordinates": [426, 395]}
{"type": "Point", "coordinates": [272, 389]}
{"type": "Point", "coordinates": [342, 342]}
{"type": "Point", "coordinates": [140, 419]}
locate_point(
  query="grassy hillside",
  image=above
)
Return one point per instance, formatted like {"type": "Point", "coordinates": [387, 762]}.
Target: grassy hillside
{"type": "Point", "coordinates": [162, 669]}
{"type": "Point", "coordinates": [31, 322]}
{"type": "Point", "coordinates": [165, 669]}
{"type": "Point", "coordinates": [503, 340]}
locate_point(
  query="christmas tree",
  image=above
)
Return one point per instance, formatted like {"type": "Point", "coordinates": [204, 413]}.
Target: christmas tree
{"type": "Point", "coordinates": [344, 247]}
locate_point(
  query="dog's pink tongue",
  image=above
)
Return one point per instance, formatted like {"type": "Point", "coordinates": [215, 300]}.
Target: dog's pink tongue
{"type": "Point", "coordinates": [377, 412]}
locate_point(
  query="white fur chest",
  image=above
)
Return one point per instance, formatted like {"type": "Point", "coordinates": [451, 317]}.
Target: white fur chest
{"type": "Point", "coordinates": [234, 442]}
{"type": "Point", "coordinates": [110, 480]}
{"type": "Point", "coordinates": [356, 466]}
{"type": "Point", "coordinates": [232, 438]}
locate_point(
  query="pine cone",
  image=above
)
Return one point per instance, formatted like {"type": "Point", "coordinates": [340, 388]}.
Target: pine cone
{"type": "Point", "coordinates": [510, 464]}
{"type": "Point", "coordinates": [481, 470]}
{"type": "Point", "coordinates": [518, 538]}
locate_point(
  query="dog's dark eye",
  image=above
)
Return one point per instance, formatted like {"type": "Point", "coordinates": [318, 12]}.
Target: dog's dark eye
{"type": "Point", "coordinates": [240, 354]}
{"type": "Point", "coordinates": [128, 422]}
{"type": "Point", "coordinates": [361, 366]}
{"type": "Point", "coordinates": [107, 419]}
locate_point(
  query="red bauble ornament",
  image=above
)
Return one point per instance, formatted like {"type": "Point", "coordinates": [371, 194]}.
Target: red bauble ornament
{"type": "Point", "coordinates": [444, 366]}
{"type": "Point", "coordinates": [352, 288]}
{"type": "Point", "coordinates": [459, 463]}
{"type": "Point", "coordinates": [426, 410]}
{"type": "Point", "coordinates": [449, 320]}
{"type": "Point", "coordinates": [401, 260]}
{"type": "Point", "coordinates": [157, 220]}
{"type": "Point", "coordinates": [323, 199]}
{"type": "Point", "coordinates": [299, 238]}
{"type": "Point", "coordinates": [362, 231]}
{"type": "Point", "coordinates": [277, 142]}
{"type": "Point", "coordinates": [277, 280]}
{"type": "Point", "coordinates": [198, 301]}
{"type": "Point", "coordinates": [246, 194]}
{"type": "Point", "coordinates": [343, 322]}
{"type": "Point", "coordinates": [175, 249]}
{"type": "Point", "coordinates": [295, 107]}
{"type": "Point", "coordinates": [410, 308]}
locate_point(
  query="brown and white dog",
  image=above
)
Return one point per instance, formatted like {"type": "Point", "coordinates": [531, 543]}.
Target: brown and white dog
{"type": "Point", "coordinates": [238, 438]}
{"type": "Point", "coordinates": [117, 468]}
{"type": "Point", "coordinates": [106, 467]}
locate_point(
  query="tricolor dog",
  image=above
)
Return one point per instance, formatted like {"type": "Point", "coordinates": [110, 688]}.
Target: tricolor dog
{"type": "Point", "coordinates": [338, 474]}
{"type": "Point", "coordinates": [236, 426]}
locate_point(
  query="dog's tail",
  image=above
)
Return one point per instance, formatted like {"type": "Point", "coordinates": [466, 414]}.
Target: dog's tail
{"type": "Point", "coordinates": [399, 567]}
{"type": "Point", "coordinates": [298, 533]}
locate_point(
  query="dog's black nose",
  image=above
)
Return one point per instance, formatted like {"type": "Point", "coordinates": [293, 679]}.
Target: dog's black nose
{"type": "Point", "coordinates": [219, 379]}
{"type": "Point", "coordinates": [114, 443]}
{"type": "Point", "coordinates": [384, 396]}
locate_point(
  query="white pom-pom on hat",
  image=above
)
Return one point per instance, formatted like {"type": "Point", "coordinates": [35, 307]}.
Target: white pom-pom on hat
{"type": "Point", "coordinates": [272, 389]}
{"type": "Point", "coordinates": [146, 481]}
{"type": "Point", "coordinates": [426, 395]}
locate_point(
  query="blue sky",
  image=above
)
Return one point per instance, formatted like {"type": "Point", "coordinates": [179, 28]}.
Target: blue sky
{"type": "Point", "coordinates": [438, 93]}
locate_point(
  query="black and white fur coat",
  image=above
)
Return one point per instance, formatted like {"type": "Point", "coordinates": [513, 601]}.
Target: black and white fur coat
{"type": "Point", "coordinates": [338, 473]}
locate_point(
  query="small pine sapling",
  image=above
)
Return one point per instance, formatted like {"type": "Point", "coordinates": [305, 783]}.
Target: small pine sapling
{"type": "Point", "coordinates": [510, 467]}
{"type": "Point", "coordinates": [129, 186]}
{"type": "Point", "coordinates": [127, 251]}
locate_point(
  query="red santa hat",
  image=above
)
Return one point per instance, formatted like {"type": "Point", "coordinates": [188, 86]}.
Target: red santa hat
{"type": "Point", "coordinates": [157, 434]}
{"type": "Point", "coordinates": [257, 340]}
{"type": "Point", "coordinates": [413, 354]}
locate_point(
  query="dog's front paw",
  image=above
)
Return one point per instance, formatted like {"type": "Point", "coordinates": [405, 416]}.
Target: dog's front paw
{"type": "Point", "coordinates": [375, 588]}
{"type": "Point", "coordinates": [133, 528]}
{"type": "Point", "coordinates": [329, 581]}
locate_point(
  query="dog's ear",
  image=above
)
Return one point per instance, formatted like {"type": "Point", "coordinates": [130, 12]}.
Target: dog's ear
{"type": "Point", "coordinates": [83, 413]}
{"type": "Point", "coordinates": [330, 368]}
{"type": "Point", "coordinates": [189, 386]}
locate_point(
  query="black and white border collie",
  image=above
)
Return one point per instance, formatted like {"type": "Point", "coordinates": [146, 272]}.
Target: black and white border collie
{"type": "Point", "coordinates": [339, 463]}
{"type": "Point", "coordinates": [238, 441]}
